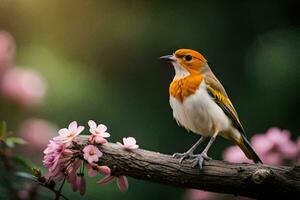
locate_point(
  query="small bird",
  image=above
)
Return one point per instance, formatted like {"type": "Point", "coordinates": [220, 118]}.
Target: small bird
{"type": "Point", "coordinates": [200, 104]}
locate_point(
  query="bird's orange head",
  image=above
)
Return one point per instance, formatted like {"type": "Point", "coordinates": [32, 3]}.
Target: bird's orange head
{"type": "Point", "coordinates": [186, 59]}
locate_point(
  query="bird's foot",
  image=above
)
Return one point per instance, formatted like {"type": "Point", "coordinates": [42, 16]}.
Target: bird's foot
{"type": "Point", "coordinates": [199, 159]}
{"type": "Point", "coordinates": [183, 156]}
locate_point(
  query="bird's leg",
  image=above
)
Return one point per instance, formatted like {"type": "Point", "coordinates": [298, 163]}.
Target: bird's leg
{"type": "Point", "coordinates": [188, 153]}
{"type": "Point", "coordinates": [199, 158]}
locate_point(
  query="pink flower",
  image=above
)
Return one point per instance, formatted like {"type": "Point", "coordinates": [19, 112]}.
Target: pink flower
{"type": "Point", "coordinates": [98, 133]}
{"type": "Point", "coordinates": [128, 143]}
{"type": "Point", "coordinates": [7, 49]}
{"type": "Point", "coordinates": [235, 154]}
{"type": "Point", "coordinates": [78, 183]}
{"type": "Point", "coordinates": [54, 160]}
{"type": "Point", "coordinates": [91, 171]}
{"type": "Point", "coordinates": [66, 136]}
{"type": "Point", "coordinates": [81, 184]}
{"type": "Point", "coordinates": [25, 87]}
{"type": "Point", "coordinates": [193, 194]}
{"type": "Point", "coordinates": [275, 147]}
{"type": "Point", "coordinates": [94, 169]}
{"type": "Point", "coordinates": [91, 153]}
{"type": "Point", "coordinates": [122, 182]}
{"type": "Point", "coordinates": [72, 174]}
{"type": "Point", "coordinates": [52, 154]}
{"type": "Point", "coordinates": [104, 170]}
{"type": "Point", "coordinates": [37, 132]}
{"type": "Point", "coordinates": [298, 146]}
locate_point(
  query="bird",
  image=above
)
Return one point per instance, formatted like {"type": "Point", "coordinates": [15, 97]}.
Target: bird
{"type": "Point", "coordinates": [201, 105]}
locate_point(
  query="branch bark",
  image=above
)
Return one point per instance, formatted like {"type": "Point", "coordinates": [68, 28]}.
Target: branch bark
{"type": "Point", "coordinates": [251, 180]}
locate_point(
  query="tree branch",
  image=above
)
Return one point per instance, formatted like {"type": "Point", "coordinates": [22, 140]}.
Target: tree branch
{"type": "Point", "coordinates": [251, 180]}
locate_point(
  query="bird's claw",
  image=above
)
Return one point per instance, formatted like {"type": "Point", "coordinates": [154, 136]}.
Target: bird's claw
{"type": "Point", "coordinates": [199, 159]}
{"type": "Point", "coordinates": [182, 156]}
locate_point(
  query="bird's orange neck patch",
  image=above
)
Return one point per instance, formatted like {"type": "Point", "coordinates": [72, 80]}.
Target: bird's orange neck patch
{"type": "Point", "coordinates": [182, 88]}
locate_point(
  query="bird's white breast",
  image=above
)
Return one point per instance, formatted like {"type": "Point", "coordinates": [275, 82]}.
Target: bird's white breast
{"type": "Point", "coordinates": [199, 113]}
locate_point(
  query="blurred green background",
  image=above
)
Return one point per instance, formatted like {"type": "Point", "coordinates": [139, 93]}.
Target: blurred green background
{"type": "Point", "coordinates": [100, 61]}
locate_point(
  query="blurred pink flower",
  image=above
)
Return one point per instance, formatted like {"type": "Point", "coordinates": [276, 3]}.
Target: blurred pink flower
{"type": "Point", "coordinates": [91, 153]}
{"type": "Point", "coordinates": [37, 132]}
{"type": "Point", "coordinates": [122, 182]}
{"type": "Point", "coordinates": [7, 49]}
{"type": "Point", "coordinates": [23, 195]}
{"type": "Point", "coordinates": [129, 143]}
{"type": "Point", "coordinates": [66, 136]}
{"type": "Point", "coordinates": [193, 194]}
{"type": "Point", "coordinates": [275, 147]}
{"type": "Point", "coordinates": [25, 87]}
{"type": "Point", "coordinates": [235, 154]}
{"type": "Point", "coordinates": [198, 195]}
{"type": "Point", "coordinates": [98, 133]}
{"type": "Point", "coordinates": [298, 154]}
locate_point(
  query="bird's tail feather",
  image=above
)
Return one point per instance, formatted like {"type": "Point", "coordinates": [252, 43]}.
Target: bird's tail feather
{"type": "Point", "coordinates": [245, 145]}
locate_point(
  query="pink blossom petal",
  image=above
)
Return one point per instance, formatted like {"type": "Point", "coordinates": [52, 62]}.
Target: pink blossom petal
{"type": "Point", "coordinates": [73, 126]}
{"type": "Point", "coordinates": [101, 128]}
{"type": "Point", "coordinates": [134, 146]}
{"type": "Point", "coordinates": [72, 179]}
{"type": "Point", "coordinates": [122, 183]}
{"type": "Point", "coordinates": [104, 170]}
{"type": "Point", "coordinates": [131, 140]}
{"type": "Point", "coordinates": [91, 171]}
{"type": "Point", "coordinates": [106, 180]}
{"type": "Point", "coordinates": [81, 184]}
{"type": "Point", "coordinates": [129, 143]}
{"type": "Point", "coordinates": [105, 134]}
{"type": "Point", "coordinates": [79, 130]}
{"type": "Point", "coordinates": [90, 159]}
{"type": "Point", "coordinates": [92, 124]}
{"type": "Point", "coordinates": [100, 140]}
{"type": "Point", "coordinates": [63, 132]}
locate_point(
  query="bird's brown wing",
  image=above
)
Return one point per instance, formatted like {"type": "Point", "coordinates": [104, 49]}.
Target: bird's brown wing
{"type": "Point", "coordinates": [218, 93]}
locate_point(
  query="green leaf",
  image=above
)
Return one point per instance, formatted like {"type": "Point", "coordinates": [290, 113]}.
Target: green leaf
{"type": "Point", "coordinates": [22, 161]}
{"type": "Point", "coordinates": [11, 141]}
{"type": "Point", "coordinates": [25, 175]}
{"type": "Point", "coordinates": [3, 129]}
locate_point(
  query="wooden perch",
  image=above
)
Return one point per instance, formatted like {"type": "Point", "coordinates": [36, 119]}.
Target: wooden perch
{"type": "Point", "coordinates": [251, 180]}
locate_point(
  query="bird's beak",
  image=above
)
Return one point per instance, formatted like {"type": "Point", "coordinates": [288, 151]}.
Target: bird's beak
{"type": "Point", "coordinates": [168, 58]}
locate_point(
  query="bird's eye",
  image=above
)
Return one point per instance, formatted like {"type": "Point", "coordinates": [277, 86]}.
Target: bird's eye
{"type": "Point", "coordinates": [188, 57]}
